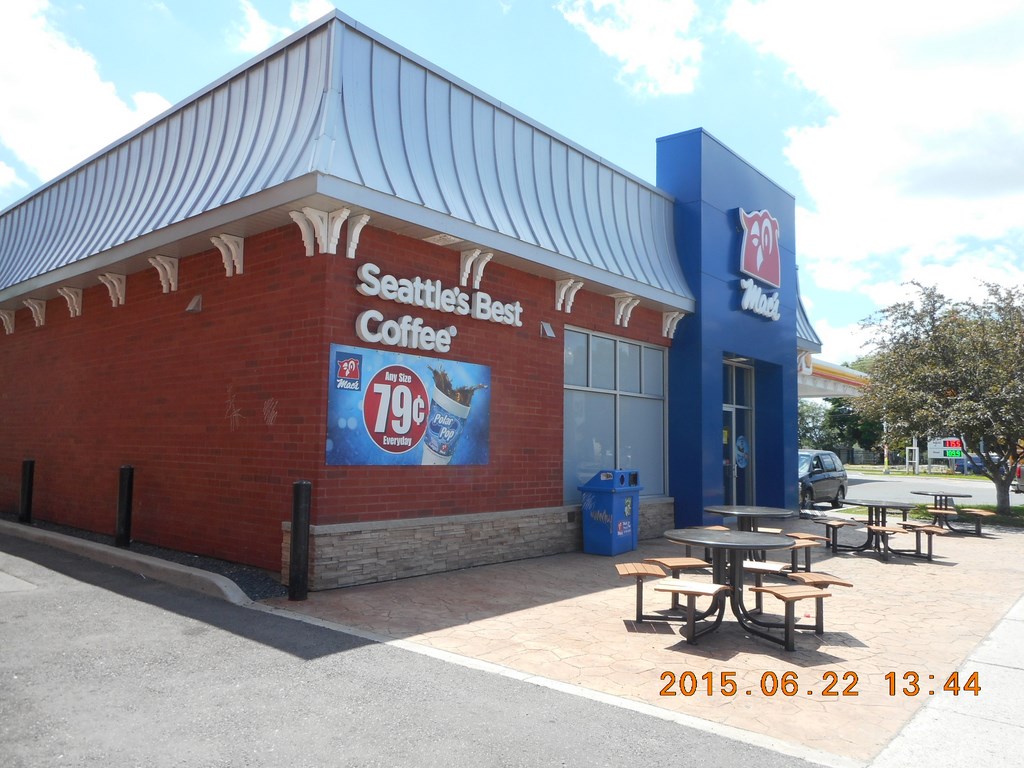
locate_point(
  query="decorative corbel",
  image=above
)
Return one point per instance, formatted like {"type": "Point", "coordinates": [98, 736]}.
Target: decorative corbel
{"type": "Point", "coordinates": [167, 268]}
{"type": "Point", "coordinates": [466, 260]}
{"type": "Point", "coordinates": [38, 307]}
{"type": "Point", "coordinates": [334, 221]}
{"type": "Point", "coordinates": [306, 227]}
{"type": "Point", "coordinates": [355, 226]}
{"type": "Point", "coordinates": [570, 297]}
{"type": "Point", "coordinates": [473, 261]}
{"type": "Point", "coordinates": [232, 252]}
{"type": "Point", "coordinates": [805, 363]}
{"type": "Point", "coordinates": [669, 321]}
{"type": "Point", "coordinates": [320, 228]}
{"type": "Point", "coordinates": [478, 268]}
{"type": "Point", "coordinates": [7, 316]}
{"type": "Point", "coordinates": [565, 293]}
{"type": "Point", "coordinates": [625, 303]}
{"type": "Point", "coordinates": [115, 286]}
{"type": "Point", "coordinates": [73, 296]}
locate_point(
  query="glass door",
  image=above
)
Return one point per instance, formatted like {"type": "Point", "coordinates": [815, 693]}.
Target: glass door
{"type": "Point", "coordinates": [737, 455]}
{"type": "Point", "coordinates": [737, 437]}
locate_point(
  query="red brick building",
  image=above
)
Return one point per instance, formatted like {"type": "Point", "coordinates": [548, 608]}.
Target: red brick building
{"type": "Point", "coordinates": [171, 304]}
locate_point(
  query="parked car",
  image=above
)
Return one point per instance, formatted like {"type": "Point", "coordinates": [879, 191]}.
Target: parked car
{"type": "Point", "coordinates": [972, 464]}
{"type": "Point", "coordinates": [822, 478]}
{"type": "Point", "coordinates": [1017, 484]}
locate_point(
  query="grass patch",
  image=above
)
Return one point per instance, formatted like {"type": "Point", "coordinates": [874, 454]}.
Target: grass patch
{"type": "Point", "coordinates": [900, 469]}
{"type": "Point", "coordinates": [1014, 518]}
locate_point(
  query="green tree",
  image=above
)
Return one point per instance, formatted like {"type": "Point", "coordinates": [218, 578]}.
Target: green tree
{"type": "Point", "coordinates": [946, 368]}
{"type": "Point", "coordinates": [851, 426]}
{"type": "Point", "coordinates": [811, 416]}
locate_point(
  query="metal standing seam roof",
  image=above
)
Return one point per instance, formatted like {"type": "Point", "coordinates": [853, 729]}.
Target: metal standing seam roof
{"type": "Point", "coordinates": [339, 112]}
{"type": "Point", "coordinates": [807, 338]}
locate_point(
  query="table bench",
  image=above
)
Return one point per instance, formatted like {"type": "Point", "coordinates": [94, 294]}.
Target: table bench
{"type": "Point", "coordinates": [641, 571]}
{"type": "Point", "coordinates": [806, 545]}
{"type": "Point", "coordinates": [792, 594]}
{"type": "Point", "coordinates": [881, 534]}
{"type": "Point", "coordinates": [918, 530]}
{"type": "Point", "coordinates": [833, 527]}
{"type": "Point", "coordinates": [977, 514]}
{"type": "Point", "coordinates": [676, 565]}
{"type": "Point", "coordinates": [819, 580]}
{"type": "Point", "coordinates": [692, 590]}
{"type": "Point", "coordinates": [760, 569]}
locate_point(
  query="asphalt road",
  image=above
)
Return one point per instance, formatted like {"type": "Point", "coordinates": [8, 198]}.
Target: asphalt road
{"type": "Point", "coordinates": [102, 667]}
{"type": "Point", "coordinates": [899, 487]}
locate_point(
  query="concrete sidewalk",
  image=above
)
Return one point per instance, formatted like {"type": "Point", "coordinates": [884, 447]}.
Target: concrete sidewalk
{"type": "Point", "coordinates": [565, 622]}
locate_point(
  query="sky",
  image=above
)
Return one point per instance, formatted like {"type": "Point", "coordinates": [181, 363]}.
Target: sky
{"type": "Point", "coordinates": [897, 126]}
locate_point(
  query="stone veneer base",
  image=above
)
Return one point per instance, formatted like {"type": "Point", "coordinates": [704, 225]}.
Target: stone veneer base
{"type": "Point", "coordinates": [346, 554]}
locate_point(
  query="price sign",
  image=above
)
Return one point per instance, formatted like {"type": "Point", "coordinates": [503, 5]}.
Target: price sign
{"type": "Point", "coordinates": [946, 448]}
{"type": "Point", "coordinates": [395, 409]}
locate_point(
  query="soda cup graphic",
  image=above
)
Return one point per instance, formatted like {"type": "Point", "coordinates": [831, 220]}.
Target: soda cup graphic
{"type": "Point", "coordinates": [449, 409]}
{"type": "Point", "coordinates": [444, 427]}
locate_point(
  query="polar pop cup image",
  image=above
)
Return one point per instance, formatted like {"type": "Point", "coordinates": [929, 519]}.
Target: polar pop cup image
{"type": "Point", "coordinates": [449, 409]}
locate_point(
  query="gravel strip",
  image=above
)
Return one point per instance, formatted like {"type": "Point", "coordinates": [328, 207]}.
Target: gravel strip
{"type": "Point", "coordinates": [257, 583]}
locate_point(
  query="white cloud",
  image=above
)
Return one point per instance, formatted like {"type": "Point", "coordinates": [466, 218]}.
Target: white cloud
{"type": "Point", "coordinates": [651, 39]}
{"type": "Point", "coordinates": [308, 11]}
{"type": "Point", "coordinates": [255, 34]}
{"type": "Point", "coordinates": [918, 174]}
{"type": "Point", "coordinates": [843, 344]}
{"type": "Point", "coordinates": [56, 109]}
{"type": "Point", "coordinates": [9, 178]}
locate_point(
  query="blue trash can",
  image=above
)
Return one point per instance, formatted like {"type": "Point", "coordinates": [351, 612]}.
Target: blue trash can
{"type": "Point", "coordinates": [611, 512]}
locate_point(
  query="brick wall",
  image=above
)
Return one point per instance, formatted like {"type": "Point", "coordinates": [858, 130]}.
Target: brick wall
{"type": "Point", "coordinates": [216, 410]}
{"type": "Point", "coordinates": [221, 411]}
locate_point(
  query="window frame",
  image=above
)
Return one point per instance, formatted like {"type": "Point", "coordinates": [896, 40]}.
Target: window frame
{"type": "Point", "coordinates": [646, 391]}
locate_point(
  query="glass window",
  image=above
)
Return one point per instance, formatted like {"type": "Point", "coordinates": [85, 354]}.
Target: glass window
{"type": "Point", "coordinates": [641, 441]}
{"type": "Point", "coordinates": [654, 371]}
{"type": "Point", "coordinates": [602, 366]}
{"type": "Point", "coordinates": [614, 411]}
{"type": "Point", "coordinates": [742, 392]}
{"type": "Point", "coordinates": [589, 438]}
{"type": "Point", "coordinates": [826, 461]}
{"type": "Point", "coordinates": [576, 358]}
{"type": "Point", "coordinates": [629, 367]}
{"type": "Point", "coordinates": [737, 385]}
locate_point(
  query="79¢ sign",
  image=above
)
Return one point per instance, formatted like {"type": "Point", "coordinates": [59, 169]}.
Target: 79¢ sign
{"type": "Point", "coordinates": [395, 409]}
{"type": "Point", "coordinates": [386, 407]}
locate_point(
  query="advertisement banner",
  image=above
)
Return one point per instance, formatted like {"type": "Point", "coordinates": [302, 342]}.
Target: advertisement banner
{"type": "Point", "coordinates": [395, 408]}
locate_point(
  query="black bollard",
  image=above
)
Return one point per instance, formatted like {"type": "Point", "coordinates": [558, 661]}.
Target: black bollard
{"type": "Point", "coordinates": [123, 532]}
{"type": "Point", "coordinates": [28, 468]}
{"type": "Point", "coordinates": [298, 569]}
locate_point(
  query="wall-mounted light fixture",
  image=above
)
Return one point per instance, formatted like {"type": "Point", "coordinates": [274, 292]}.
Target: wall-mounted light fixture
{"type": "Point", "coordinates": [546, 331]}
{"type": "Point", "coordinates": [196, 305]}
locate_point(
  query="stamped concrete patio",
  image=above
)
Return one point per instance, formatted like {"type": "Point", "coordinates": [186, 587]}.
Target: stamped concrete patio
{"type": "Point", "coordinates": [569, 618]}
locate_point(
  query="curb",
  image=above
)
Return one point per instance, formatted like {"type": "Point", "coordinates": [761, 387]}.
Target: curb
{"type": "Point", "coordinates": [196, 579]}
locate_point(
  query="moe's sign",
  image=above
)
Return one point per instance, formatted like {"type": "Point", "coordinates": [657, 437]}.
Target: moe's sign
{"type": "Point", "coordinates": [761, 261]}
